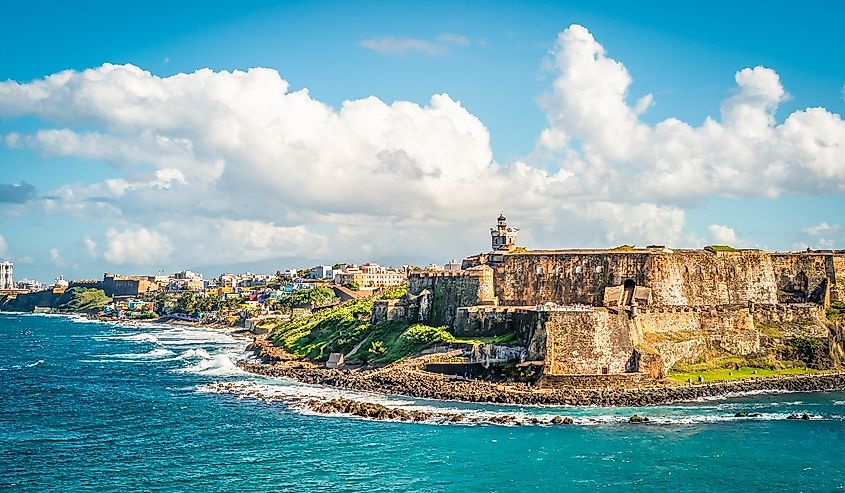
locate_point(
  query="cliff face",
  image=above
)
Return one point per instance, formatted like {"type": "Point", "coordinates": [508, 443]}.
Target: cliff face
{"type": "Point", "coordinates": [27, 302]}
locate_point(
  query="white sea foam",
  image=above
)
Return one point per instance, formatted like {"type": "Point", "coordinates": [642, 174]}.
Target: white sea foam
{"type": "Point", "coordinates": [152, 354]}
{"type": "Point", "coordinates": [23, 366]}
{"type": "Point", "coordinates": [212, 365]}
{"type": "Point", "coordinates": [142, 337]}
{"type": "Point", "coordinates": [182, 337]}
{"type": "Point", "coordinates": [195, 354]}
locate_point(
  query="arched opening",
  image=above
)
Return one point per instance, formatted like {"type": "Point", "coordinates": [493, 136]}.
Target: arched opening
{"type": "Point", "coordinates": [629, 286]}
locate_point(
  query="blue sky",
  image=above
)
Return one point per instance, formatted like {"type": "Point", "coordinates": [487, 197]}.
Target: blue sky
{"type": "Point", "coordinates": [492, 57]}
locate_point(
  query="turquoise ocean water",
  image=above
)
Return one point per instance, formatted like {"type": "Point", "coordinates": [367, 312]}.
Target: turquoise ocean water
{"type": "Point", "coordinates": [98, 407]}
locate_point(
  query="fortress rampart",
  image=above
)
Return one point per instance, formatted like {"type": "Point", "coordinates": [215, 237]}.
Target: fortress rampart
{"type": "Point", "coordinates": [629, 310]}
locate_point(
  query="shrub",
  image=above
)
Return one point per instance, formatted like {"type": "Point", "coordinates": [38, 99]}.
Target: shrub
{"type": "Point", "coordinates": [377, 348]}
{"type": "Point", "coordinates": [805, 348]}
{"type": "Point", "coordinates": [423, 335]}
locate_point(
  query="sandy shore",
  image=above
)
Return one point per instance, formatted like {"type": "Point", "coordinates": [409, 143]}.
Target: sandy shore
{"type": "Point", "coordinates": [408, 378]}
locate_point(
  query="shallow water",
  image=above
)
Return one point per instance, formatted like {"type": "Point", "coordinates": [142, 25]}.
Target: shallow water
{"type": "Point", "coordinates": [93, 406]}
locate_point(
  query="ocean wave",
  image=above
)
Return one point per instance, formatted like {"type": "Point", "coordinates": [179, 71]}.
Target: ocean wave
{"type": "Point", "coordinates": [142, 337]}
{"type": "Point", "coordinates": [212, 365]}
{"type": "Point", "coordinates": [23, 366]}
{"type": "Point", "coordinates": [155, 353]}
{"type": "Point", "coordinates": [183, 337]}
{"type": "Point", "coordinates": [746, 393]}
{"type": "Point", "coordinates": [195, 354]}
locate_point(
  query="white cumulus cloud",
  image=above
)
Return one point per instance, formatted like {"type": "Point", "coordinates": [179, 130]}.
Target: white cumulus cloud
{"type": "Point", "coordinates": [216, 167]}
{"type": "Point", "coordinates": [137, 247]}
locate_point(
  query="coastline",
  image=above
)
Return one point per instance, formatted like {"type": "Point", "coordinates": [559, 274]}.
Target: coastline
{"type": "Point", "coordinates": [236, 332]}
{"type": "Point", "coordinates": [408, 379]}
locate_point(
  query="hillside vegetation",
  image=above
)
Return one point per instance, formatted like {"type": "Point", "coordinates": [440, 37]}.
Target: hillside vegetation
{"type": "Point", "coordinates": [84, 300]}
{"type": "Point", "coordinates": [346, 329]}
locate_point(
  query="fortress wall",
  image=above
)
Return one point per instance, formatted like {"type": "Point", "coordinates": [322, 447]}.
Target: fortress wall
{"type": "Point", "coordinates": [565, 278]}
{"type": "Point", "coordinates": [485, 321]}
{"type": "Point", "coordinates": [801, 276]}
{"type": "Point", "coordinates": [588, 342]}
{"type": "Point", "coordinates": [681, 278]}
{"type": "Point", "coordinates": [667, 321]}
{"type": "Point", "coordinates": [450, 291]}
{"type": "Point", "coordinates": [794, 319]}
{"type": "Point", "coordinates": [699, 277]}
{"type": "Point", "coordinates": [839, 265]}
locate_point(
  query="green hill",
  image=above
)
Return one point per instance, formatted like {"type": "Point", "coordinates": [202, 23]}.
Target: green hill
{"type": "Point", "coordinates": [347, 327]}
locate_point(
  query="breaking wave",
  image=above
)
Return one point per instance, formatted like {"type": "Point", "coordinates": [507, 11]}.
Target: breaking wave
{"type": "Point", "coordinates": [214, 365]}
{"type": "Point", "coordinates": [24, 366]}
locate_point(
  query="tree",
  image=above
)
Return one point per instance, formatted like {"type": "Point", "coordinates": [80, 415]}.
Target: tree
{"type": "Point", "coordinates": [187, 303]}
{"type": "Point", "coordinates": [352, 285]}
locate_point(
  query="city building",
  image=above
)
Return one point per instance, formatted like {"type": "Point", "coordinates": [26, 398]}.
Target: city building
{"type": "Point", "coordinates": [323, 272]}
{"type": "Point", "coordinates": [370, 275]}
{"type": "Point", "coordinates": [452, 266]}
{"type": "Point", "coordinates": [6, 279]}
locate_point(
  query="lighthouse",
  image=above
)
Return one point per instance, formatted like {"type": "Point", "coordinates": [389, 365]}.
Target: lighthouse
{"type": "Point", "coordinates": [504, 238]}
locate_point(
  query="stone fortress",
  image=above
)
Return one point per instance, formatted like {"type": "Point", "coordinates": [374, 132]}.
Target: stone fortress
{"type": "Point", "coordinates": [629, 313]}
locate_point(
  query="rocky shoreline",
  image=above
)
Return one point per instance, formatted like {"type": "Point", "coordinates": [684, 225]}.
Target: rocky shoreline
{"type": "Point", "coordinates": [409, 379]}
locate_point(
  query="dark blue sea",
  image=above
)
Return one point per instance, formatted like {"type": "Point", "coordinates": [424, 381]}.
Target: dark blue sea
{"type": "Point", "coordinates": [89, 406]}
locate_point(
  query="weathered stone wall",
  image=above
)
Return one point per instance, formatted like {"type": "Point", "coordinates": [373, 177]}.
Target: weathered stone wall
{"type": "Point", "coordinates": [596, 342]}
{"type": "Point", "coordinates": [802, 276]}
{"type": "Point", "coordinates": [485, 321]}
{"type": "Point", "coordinates": [690, 320]}
{"type": "Point", "coordinates": [565, 278]}
{"type": "Point", "coordinates": [700, 277]}
{"type": "Point", "coordinates": [683, 277]}
{"type": "Point", "coordinates": [445, 292]}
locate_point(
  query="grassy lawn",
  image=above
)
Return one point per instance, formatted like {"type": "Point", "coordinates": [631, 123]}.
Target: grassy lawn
{"type": "Point", "coordinates": [721, 374]}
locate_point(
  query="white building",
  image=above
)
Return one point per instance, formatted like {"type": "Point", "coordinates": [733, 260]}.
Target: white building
{"type": "Point", "coordinates": [452, 266]}
{"type": "Point", "coordinates": [323, 272]}
{"type": "Point", "coordinates": [6, 279]}
{"type": "Point", "coordinates": [187, 274]}
{"type": "Point", "coordinates": [30, 285]}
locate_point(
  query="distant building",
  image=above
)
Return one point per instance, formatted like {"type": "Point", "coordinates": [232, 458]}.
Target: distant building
{"type": "Point", "coordinates": [30, 285]}
{"type": "Point", "coordinates": [187, 274]}
{"type": "Point", "coordinates": [116, 285]}
{"type": "Point", "coordinates": [452, 266]}
{"type": "Point", "coordinates": [370, 275]}
{"type": "Point", "coordinates": [6, 279]}
{"type": "Point", "coordinates": [323, 272]}
{"type": "Point", "coordinates": [289, 273]}
{"type": "Point", "coordinates": [60, 285]}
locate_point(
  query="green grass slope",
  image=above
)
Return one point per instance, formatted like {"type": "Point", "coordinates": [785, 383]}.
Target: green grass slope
{"type": "Point", "coordinates": [347, 327]}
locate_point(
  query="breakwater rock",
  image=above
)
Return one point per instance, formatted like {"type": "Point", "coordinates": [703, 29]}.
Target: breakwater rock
{"type": "Point", "coordinates": [381, 412]}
